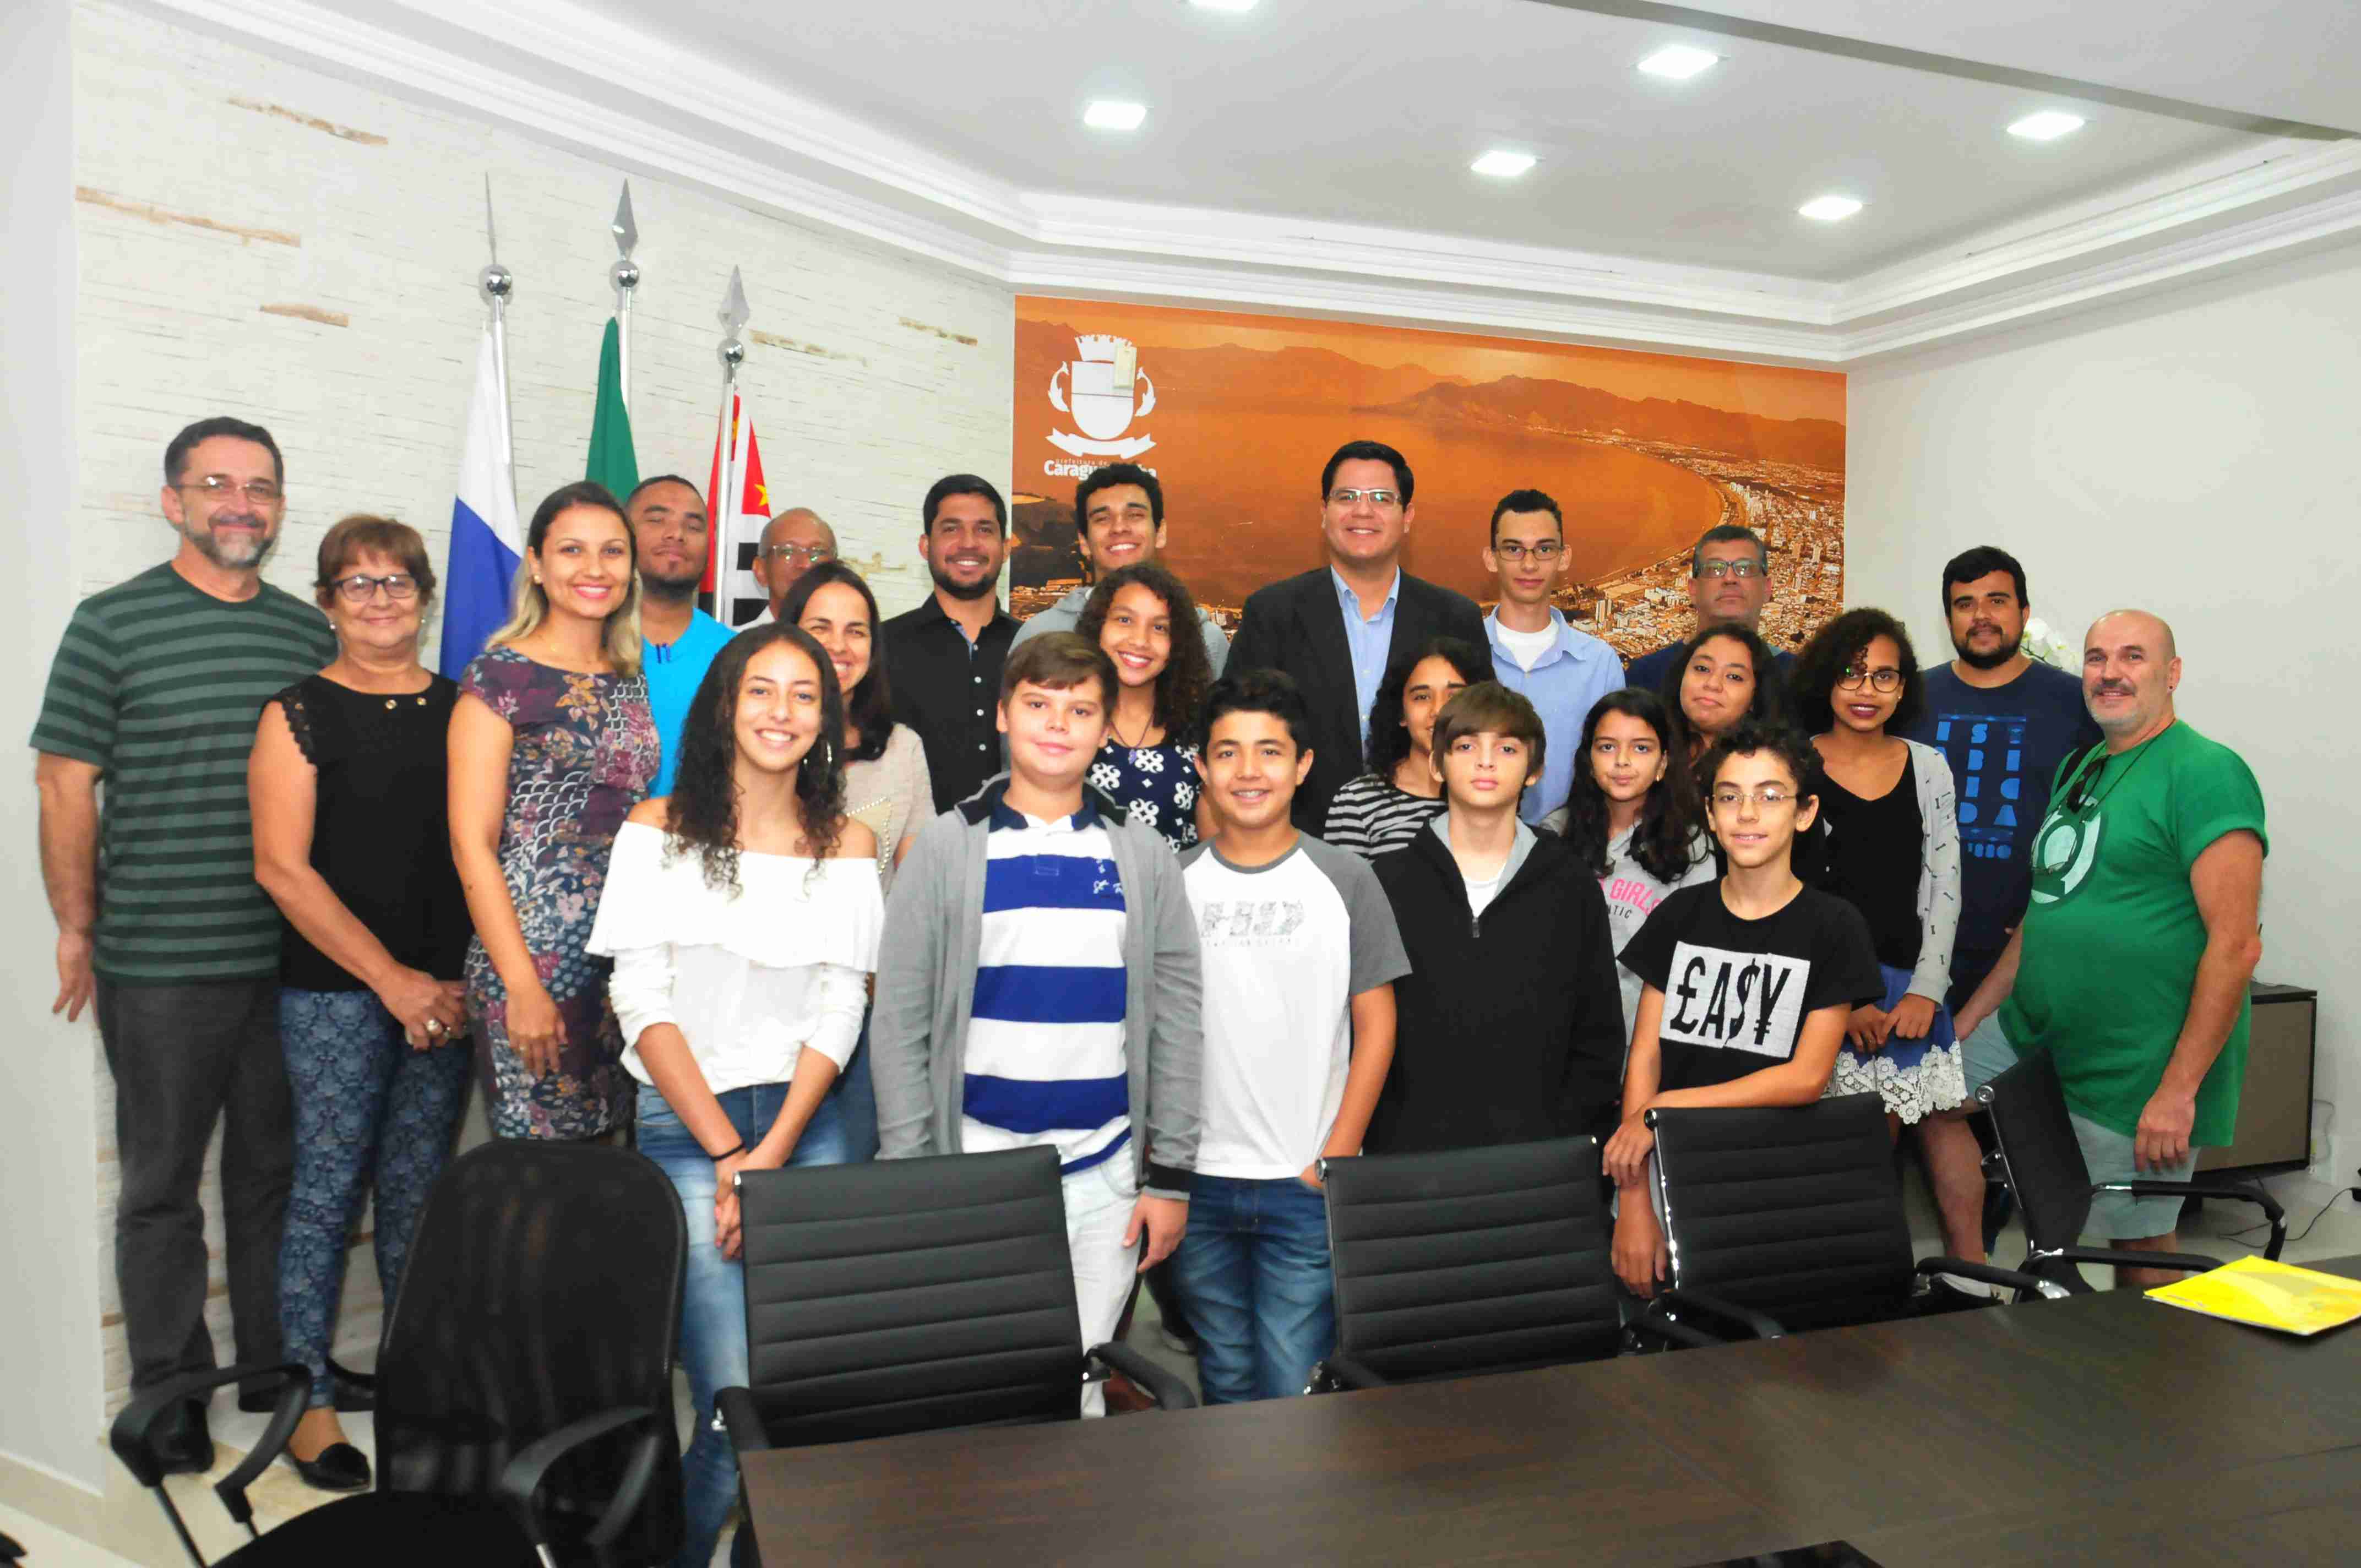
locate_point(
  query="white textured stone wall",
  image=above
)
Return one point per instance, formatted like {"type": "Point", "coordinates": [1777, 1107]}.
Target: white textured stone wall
{"type": "Point", "coordinates": [268, 241]}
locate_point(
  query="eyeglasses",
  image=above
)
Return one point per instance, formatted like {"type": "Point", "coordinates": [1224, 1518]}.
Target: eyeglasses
{"type": "Point", "coordinates": [359, 588]}
{"type": "Point", "coordinates": [1375, 498]}
{"type": "Point", "coordinates": [1879, 680]}
{"type": "Point", "coordinates": [1730, 569]}
{"type": "Point", "coordinates": [221, 486]}
{"type": "Point", "coordinates": [1546, 551]}
{"type": "Point", "coordinates": [1770, 797]}
{"type": "Point", "coordinates": [809, 554]}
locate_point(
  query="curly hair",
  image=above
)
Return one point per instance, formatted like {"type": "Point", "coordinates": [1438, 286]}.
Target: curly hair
{"type": "Point", "coordinates": [1672, 816]}
{"type": "Point", "coordinates": [1188, 674]}
{"type": "Point", "coordinates": [702, 811]}
{"type": "Point", "coordinates": [870, 704]}
{"type": "Point", "coordinates": [1812, 683]}
{"type": "Point", "coordinates": [1389, 735]}
{"type": "Point", "coordinates": [1753, 736]}
{"type": "Point", "coordinates": [1765, 706]}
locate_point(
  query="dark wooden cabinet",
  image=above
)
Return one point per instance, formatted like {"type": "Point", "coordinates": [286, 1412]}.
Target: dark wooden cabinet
{"type": "Point", "coordinates": [2275, 1104]}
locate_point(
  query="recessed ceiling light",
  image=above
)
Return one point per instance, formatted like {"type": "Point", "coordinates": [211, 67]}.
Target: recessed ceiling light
{"type": "Point", "coordinates": [1113, 115]}
{"type": "Point", "coordinates": [1829, 209]}
{"type": "Point", "coordinates": [1679, 62]}
{"type": "Point", "coordinates": [2047, 126]}
{"type": "Point", "coordinates": [1503, 165]}
{"type": "Point", "coordinates": [1232, 6]}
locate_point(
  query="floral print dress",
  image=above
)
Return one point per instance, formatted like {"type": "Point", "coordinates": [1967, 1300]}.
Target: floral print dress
{"type": "Point", "coordinates": [585, 752]}
{"type": "Point", "coordinates": [1156, 786]}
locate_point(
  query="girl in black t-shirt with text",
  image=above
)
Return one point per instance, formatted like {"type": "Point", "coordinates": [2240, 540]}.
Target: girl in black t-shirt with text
{"type": "Point", "coordinates": [1746, 982]}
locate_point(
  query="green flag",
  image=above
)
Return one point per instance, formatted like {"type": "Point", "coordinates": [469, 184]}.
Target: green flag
{"type": "Point", "coordinates": [612, 462]}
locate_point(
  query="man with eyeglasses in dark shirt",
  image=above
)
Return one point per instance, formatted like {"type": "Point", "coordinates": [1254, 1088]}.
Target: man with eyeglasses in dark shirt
{"type": "Point", "coordinates": [1730, 582]}
{"type": "Point", "coordinates": [1338, 628]}
{"type": "Point", "coordinates": [1559, 670]}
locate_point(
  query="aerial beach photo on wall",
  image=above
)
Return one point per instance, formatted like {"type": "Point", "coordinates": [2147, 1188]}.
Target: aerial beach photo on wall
{"type": "Point", "coordinates": [1235, 413]}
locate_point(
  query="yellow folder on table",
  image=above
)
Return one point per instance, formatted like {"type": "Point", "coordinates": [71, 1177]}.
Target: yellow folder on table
{"type": "Point", "coordinates": [2268, 1295]}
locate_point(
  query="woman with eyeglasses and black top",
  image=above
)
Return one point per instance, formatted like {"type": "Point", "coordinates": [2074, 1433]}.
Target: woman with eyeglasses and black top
{"type": "Point", "coordinates": [1889, 845]}
{"type": "Point", "coordinates": [351, 841]}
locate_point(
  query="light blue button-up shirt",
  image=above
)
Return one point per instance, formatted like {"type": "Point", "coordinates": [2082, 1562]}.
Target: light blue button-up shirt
{"type": "Point", "coordinates": [1574, 673]}
{"type": "Point", "coordinates": [1370, 640]}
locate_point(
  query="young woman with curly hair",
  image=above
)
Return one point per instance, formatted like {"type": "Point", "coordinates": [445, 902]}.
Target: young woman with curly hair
{"type": "Point", "coordinates": [1384, 807]}
{"type": "Point", "coordinates": [1147, 765]}
{"type": "Point", "coordinates": [742, 915]}
{"type": "Point", "coordinates": [1724, 676]}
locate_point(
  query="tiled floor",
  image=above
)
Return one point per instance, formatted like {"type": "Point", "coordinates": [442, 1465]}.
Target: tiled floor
{"type": "Point", "coordinates": [129, 1530]}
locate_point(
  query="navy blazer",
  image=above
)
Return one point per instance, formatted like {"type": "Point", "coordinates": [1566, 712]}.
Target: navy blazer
{"type": "Point", "coordinates": [1296, 625]}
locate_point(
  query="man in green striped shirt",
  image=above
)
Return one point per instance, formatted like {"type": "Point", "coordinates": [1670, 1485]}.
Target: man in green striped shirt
{"type": "Point", "coordinates": [157, 688]}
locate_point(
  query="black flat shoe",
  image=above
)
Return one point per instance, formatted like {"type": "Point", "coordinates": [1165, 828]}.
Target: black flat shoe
{"type": "Point", "coordinates": [340, 1467]}
{"type": "Point", "coordinates": [184, 1447]}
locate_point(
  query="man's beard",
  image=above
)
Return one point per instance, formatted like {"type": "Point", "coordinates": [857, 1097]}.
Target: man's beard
{"type": "Point", "coordinates": [229, 558]}
{"type": "Point", "coordinates": [668, 590]}
{"type": "Point", "coordinates": [959, 590]}
{"type": "Point", "coordinates": [1992, 660]}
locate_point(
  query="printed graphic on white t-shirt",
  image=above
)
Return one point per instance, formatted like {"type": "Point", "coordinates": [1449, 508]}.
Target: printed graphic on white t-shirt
{"type": "Point", "coordinates": [1735, 1001]}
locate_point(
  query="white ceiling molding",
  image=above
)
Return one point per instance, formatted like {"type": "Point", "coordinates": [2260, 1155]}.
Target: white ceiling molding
{"type": "Point", "coordinates": [581, 81]}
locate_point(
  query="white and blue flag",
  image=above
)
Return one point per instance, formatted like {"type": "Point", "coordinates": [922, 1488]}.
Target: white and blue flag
{"type": "Point", "coordinates": [487, 545]}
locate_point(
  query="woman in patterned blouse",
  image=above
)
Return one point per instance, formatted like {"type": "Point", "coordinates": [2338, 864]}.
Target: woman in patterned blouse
{"type": "Point", "coordinates": [1148, 765]}
{"type": "Point", "coordinates": [552, 744]}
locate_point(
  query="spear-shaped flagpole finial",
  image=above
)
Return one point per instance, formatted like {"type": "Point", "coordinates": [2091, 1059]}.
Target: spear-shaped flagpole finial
{"type": "Point", "coordinates": [733, 315]}
{"type": "Point", "coordinates": [496, 281]}
{"type": "Point", "coordinates": [625, 274]}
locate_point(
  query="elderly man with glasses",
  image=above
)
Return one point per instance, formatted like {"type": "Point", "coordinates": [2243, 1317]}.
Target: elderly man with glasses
{"type": "Point", "coordinates": [1730, 582]}
{"type": "Point", "coordinates": [155, 689]}
{"type": "Point", "coordinates": [793, 541]}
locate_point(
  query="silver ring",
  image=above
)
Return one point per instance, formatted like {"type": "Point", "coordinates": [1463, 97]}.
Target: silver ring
{"type": "Point", "coordinates": [435, 1026]}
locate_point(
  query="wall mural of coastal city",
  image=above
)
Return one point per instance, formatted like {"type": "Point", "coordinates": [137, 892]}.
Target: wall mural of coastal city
{"type": "Point", "coordinates": [1236, 413]}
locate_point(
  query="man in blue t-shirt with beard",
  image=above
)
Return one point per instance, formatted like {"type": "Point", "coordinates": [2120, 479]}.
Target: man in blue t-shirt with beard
{"type": "Point", "coordinates": [2004, 721]}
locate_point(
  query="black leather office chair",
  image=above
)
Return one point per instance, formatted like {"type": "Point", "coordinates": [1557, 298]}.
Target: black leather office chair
{"type": "Point", "coordinates": [1461, 1262]}
{"type": "Point", "coordinates": [1793, 1213]}
{"type": "Point", "coordinates": [524, 1406]}
{"type": "Point", "coordinates": [2045, 1166]}
{"type": "Point", "coordinates": [914, 1295]}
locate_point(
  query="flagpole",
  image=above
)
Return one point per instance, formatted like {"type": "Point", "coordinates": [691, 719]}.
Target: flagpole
{"type": "Point", "coordinates": [732, 353]}
{"type": "Point", "coordinates": [625, 275]}
{"type": "Point", "coordinates": [496, 283]}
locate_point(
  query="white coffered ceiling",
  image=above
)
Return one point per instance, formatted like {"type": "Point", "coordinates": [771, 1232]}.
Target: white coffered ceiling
{"type": "Point", "coordinates": [1311, 155]}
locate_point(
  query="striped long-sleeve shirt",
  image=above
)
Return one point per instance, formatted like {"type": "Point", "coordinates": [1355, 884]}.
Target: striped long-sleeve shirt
{"type": "Point", "coordinates": [1045, 1060]}
{"type": "Point", "coordinates": [160, 685]}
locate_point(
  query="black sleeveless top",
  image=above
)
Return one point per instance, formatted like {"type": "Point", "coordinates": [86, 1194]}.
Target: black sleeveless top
{"type": "Point", "coordinates": [1871, 851]}
{"type": "Point", "coordinates": [381, 828]}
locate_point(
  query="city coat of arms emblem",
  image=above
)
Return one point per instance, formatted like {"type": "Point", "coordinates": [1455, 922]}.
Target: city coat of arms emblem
{"type": "Point", "coordinates": [1104, 389]}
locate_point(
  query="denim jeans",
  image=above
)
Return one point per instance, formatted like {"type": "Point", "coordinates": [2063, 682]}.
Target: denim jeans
{"type": "Point", "coordinates": [856, 1102]}
{"type": "Point", "coordinates": [369, 1111]}
{"type": "Point", "coordinates": [186, 1055]}
{"type": "Point", "coordinates": [1253, 1270]}
{"type": "Point", "coordinates": [713, 1303]}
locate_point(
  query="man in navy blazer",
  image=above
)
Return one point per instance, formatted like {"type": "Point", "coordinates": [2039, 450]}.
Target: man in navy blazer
{"type": "Point", "coordinates": [1336, 628]}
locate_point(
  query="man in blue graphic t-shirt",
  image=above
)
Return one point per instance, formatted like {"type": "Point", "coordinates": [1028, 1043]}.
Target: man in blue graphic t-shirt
{"type": "Point", "coordinates": [2004, 723]}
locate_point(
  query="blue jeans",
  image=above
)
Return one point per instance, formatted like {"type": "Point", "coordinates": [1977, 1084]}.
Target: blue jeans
{"type": "Point", "coordinates": [856, 1103]}
{"type": "Point", "coordinates": [1253, 1272]}
{"type": "Point", "coordinates": [368, 1110]}
{"type": "Point", "coordinates": [713, 1303]}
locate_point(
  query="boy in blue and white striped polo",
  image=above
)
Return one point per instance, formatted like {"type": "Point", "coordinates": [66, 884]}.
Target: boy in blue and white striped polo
{"type": "Point", "coordinates": [1061, 1008]}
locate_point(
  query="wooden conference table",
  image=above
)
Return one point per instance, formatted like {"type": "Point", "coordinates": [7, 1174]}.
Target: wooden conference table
{"type": "Point", "coordinates": [2100, 1428]}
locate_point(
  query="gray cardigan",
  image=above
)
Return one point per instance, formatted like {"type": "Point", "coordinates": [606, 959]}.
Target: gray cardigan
{"type": "Point", "coordinates": [925, 981]}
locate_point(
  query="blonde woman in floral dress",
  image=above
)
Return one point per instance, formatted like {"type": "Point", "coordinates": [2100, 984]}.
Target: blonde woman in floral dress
{"type": "Point", "coordinates": [552, 744]}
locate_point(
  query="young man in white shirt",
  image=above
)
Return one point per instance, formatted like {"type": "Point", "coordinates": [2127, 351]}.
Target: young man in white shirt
{"type": "Point", "coordinates": [1299, 955]}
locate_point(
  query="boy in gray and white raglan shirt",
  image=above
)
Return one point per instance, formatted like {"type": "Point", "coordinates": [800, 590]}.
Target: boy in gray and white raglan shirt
{"type": "Point", "coordinates": [1299, 952]}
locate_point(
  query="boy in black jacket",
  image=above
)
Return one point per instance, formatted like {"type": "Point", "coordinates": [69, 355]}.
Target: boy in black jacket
{"type": "Point", "coordinates": [1509, 1026]}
